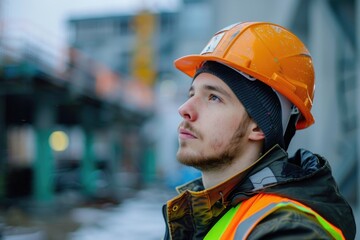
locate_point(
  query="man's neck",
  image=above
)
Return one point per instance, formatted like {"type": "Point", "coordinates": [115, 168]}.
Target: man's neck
{"type": "Point", "coordinates": [216, 176]}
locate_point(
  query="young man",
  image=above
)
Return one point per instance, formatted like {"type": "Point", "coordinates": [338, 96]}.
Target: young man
{"type": "Point", "coordinates": [253, 86]}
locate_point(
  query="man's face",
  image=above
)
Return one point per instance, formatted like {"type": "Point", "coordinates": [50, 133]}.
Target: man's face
{"type": "Point", "coordinates": [215, 125]}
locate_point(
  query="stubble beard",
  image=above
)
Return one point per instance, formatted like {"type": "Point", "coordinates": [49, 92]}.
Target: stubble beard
{"type": "Point", "coordinates": [221, 159]}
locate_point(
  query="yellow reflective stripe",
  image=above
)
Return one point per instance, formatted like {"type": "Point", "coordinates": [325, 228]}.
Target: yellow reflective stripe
{"type": "Point", "coordinates": [220, 226]}
{"type": "Point", "coordinates": [325, 224]}
{"type": "Point", "coordinates": [244, 228]}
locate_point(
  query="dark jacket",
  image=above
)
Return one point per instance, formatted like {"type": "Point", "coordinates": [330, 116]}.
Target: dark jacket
{"type": "Point", "coordinates": [306, 177]}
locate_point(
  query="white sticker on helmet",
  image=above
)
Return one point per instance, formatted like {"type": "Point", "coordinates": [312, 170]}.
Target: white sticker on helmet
{"type": "Point", "coordinates": [210, 47]}
{"type": "Point", "coordinates": [228, 27]}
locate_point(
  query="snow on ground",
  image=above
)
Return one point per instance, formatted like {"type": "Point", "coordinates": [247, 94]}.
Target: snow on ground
{"type": "Point", "coordinates": [135, 218]}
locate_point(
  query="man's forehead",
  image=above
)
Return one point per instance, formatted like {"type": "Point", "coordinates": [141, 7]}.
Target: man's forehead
{"type": "Point", "coordinates": [208, 79]}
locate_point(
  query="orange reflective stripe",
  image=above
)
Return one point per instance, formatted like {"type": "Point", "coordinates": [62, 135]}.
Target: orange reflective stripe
{"type": "Point", "coordinates": [266, 204]}
{"type": "Point", "coordinates": [220, 227]}
{"type": "Point", "coordinates": [244, 211]}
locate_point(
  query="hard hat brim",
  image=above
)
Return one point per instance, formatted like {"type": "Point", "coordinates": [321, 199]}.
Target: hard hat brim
{"type": "Point", "coordinates": [191, 63]}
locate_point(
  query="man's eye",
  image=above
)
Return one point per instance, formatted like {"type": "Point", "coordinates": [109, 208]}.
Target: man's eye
{"type": "Point", "coordinates": [213, 97]}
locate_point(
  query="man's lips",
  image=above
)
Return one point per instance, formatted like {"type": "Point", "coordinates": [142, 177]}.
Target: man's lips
{"type": "Point", "coordinates": [186, 134]}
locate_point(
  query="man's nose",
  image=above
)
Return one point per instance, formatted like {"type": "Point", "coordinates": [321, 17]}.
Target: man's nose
{"type": "Point", "coordinates": [188, 110]}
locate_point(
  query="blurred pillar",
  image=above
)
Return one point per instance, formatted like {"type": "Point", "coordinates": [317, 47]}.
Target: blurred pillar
{"type": "Point", "coordinates": [149, 165]}
{"type": "Point", "coordinates": [3, 148]}
{"type": "Point", "coordinates": [43, 182]}
{"type": "Point", "coordinates": [322, 47]}
{"type": "Point", "coordinates": [88, 168]}
{"type": "Point", "coordinates": [88, 163]}
{"type": "Point", "coordinates": [357, 30]}
{"type": "Point", "coordinates": [115, 158]}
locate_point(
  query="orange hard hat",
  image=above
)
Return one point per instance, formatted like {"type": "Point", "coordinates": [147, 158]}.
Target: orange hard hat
{"type": "Point", "coordinates": [267, 52]}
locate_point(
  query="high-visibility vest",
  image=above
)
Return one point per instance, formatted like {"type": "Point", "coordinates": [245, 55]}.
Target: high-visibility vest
{"type": "Point", "coordinates": [239, 221]}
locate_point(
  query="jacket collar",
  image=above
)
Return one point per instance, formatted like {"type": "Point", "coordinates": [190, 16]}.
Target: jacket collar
{"type": "Point", "coordinates": [196, 209]}
{"type": "Point", "coordinates": [258, 173]}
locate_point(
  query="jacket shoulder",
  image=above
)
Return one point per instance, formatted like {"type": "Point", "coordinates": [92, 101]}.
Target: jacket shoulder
{"type": "Point", "coordinates": [287, 223]}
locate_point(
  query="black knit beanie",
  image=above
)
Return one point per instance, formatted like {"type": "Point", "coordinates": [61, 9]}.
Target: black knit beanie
{"type": "Point", "coordinates": [259, 100]}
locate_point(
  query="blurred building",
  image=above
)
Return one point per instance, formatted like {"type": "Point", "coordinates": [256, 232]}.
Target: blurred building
{"type": "Point", "coordinates": [68, 122]}
{"type": "Point", "coordinates": [125, 43]}
{"type": "Point", "coordinates": [140, 47]}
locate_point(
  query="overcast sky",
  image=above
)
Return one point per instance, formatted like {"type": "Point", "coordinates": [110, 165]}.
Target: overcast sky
{"type": "Point", "coordinates": [48, 17]}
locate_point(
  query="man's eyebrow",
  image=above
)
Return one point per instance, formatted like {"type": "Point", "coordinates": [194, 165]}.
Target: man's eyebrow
{"type": "Point", "coordinates": [212, 88]}
{"type": "Point", "coordinates": [217, 89]}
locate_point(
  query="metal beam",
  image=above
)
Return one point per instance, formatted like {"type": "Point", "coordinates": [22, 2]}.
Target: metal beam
{"type": "Point", "coordinates": [357, 27]}
{"type": "Point", "coordinates": [346, 25]}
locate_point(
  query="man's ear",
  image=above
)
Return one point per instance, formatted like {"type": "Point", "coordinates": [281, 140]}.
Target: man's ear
{"type": "Point", "coordinates": [256, 134]}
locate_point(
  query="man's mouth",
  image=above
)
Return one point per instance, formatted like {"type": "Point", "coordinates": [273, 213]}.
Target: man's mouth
{"type": "Point", "coordinates": [186, 134]}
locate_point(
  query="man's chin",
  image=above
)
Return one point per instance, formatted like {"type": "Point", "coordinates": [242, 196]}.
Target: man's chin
{"type": "Point", "coordinates": [187, 159]}
{"type": "Point", "coordinates": [200, 163]}
{"type": "Point", "coordinates": [205, 163]}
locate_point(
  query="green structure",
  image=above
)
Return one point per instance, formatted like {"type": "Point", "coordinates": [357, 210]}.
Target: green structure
{"type": "Point", "coordinates": [34, 96]}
